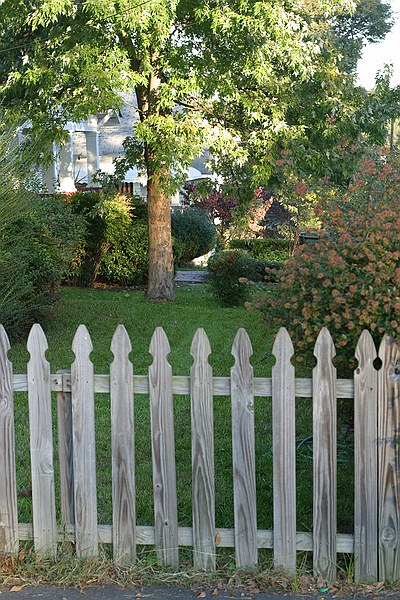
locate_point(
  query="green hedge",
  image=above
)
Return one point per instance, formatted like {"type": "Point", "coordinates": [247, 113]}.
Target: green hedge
{"type": "Point", "coordinates": [273, 249]}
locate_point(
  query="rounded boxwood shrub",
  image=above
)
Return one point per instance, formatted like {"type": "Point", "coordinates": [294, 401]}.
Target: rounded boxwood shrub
{"type": "Point", "coordinates": [193, 232]}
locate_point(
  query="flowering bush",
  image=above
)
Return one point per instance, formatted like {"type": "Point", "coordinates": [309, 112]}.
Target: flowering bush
{"type": "Point", "coordinates": [350, 279]}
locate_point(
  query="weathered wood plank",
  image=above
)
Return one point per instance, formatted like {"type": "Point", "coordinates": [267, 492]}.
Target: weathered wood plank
{"type": "Point", "coordinates": [243, 451]}
{"type": "Point", "coordinates": [41, 445]}
{"type": "Point", "coordinates": [84, 453]}
{"type": "Point", "coordinates": [9, 538]}
{"type": "Point", "coordinates": [65, 454]}
{"type": "Point", "coordinates": [324, 455]}
{"type": "Point", "coordinates": [123, 449]}
{"type": "Point", "coordinates": [163, 451]}
{"type": "Point", "coordinates": [203, 484]}
{"type": "Point", "coordinates": [389, 460]}
{"type": "Point", "coordinates": [365, 461]}
{"type": "Point", "coordinates": [284, 458]}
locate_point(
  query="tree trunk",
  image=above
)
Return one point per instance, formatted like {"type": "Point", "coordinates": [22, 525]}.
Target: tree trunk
{"type": "Point", "coordinates": [161, 262]}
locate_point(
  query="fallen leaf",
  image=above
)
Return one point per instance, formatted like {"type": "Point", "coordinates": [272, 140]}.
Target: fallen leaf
{"type": "Point", "coordinates": [215, 592]}
{"type": "Point", "coordinates": [217, 539]}
{"type": "Point", "coordinates": [16, 588]}
{"type": "Point", "coordinates": [201, 595]}
{"type": "Point", "coordinates": [138, 595]}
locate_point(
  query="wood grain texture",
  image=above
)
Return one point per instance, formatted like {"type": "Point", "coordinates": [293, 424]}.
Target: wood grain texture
{"type": "Point", "coordinates": [284, 457]}
{"type": "Point", "coordinates": [324, 456]}
{"type": "Point", "coordinates": [163, 451]}
{"type": "Point", "coordinates": [243, 451]}
{"type": "Point", "coordinates": [203, 484]}
{"type": "Point", "coordinates": [65, 454]}
{"type": "Point", "coordinates": [9, 538]}
{"type": "Point", "coordinates": [84, 453]}
{"type": "Point", "coordinates": [181, 385]}
{"type": "Point", "coordinates": [366, 461]}
{"type": "Point", "coordinates": [41, 445]}
{"type": "Point", "coordinates": [389, 460]}
{"type": "Point", "coordinates": [123, 449]}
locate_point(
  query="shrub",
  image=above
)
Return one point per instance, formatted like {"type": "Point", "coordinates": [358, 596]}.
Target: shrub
{"type": "Point", "coordinates": [35, 252]}
{"type": "Point", "coordinates": [350, 279]}
{"type": "Point", "coordinates": [108, 218]}
{"type": "Point", "coordinates": [125, 263]}
{"type": "Point", "coordinates": [193, 232]}
{"type": "Point", "coordinates": [230, 270]}
{"type": "Point", "coordinates": [273, 249]}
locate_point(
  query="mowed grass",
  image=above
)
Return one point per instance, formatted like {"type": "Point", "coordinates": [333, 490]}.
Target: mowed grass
{"type": "Point", "coordinates": [101, 311]}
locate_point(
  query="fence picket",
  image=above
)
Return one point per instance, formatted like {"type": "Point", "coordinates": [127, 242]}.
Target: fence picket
{"type": "Point", "coordinates": [123, 449]}
{"type": "Point", "coordinates": [41, 444]}
{"type": "Point", "coordinates": [389, 460]}
{"type": "Point", "coordinates": [365, 461]}
{"type": "Point", "coordinates": [243, 452]}
{"type": "Point", "coordinates": [324, 455]}
{"type": "Point", "coordinates": [203, 486]}
{"type": "Point", "coordinates": [65, 453]}
{"type": "Point", "coordinates": [163, 450]}
{"type": "Point", "coordinates": [9, 539]}
{"type": "Point", "coordinates": [284, 445]}
{"type": "Point", "coordinates": [84, 453]}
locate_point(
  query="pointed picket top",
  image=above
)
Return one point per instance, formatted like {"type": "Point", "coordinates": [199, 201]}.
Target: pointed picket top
{"type": "Point", "coordinates": [37, 341]}
{"type": "Point", "coordinates": [365, 352]}
{"type": "Point", "coordinates": [159, 345]}
{"type": "Point", "coordinates": [82, 343]}
{"type": "Point", "coordinates": [324, 346]}
{"type": "Point", "coordinates": [121, 345]}
{"type": "Point", "coordinates": [242, 348]}
{"type": "Point", "coordinates": [200, 348]}
{"type": "Point", "coordinates": [283, 344]}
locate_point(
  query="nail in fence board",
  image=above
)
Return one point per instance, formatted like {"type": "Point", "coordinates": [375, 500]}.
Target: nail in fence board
{"type": "Point", "coordinates": [389, 460]}
{"type": "Point", "coordinates": [41, 444]}
{"type": "Point", "coordinates": [84, 453]}
{"type": "Point", "coordinates": [243, 451]}
{"type": "Point", "coordinates": [365, 461]}
{"type": "Point", "coordinates": [123, 449]}
{"type": "Point", "coordinates": [203, 485]}
{"type": "Point", "coordinates": [163, 451]}
{"type": "Point", "coordinates": [9, 538]}
{"type": "Point", "coordinates": [324, 455]}
{"type": "Point", "coordinates": [284, 457]}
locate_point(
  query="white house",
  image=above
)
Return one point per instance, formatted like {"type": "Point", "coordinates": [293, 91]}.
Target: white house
{"type": "Point", "coordinates": [93, 144]}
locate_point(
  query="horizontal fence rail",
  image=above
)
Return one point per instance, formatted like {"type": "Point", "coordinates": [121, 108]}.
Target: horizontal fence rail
{"type": "Point", "coordinates": [375, 393]}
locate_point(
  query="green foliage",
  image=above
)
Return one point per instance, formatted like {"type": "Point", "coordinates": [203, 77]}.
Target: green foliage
{"type": "Point", "coordinates": [350, 279]}
{"type": "Point", "coordinates": [125, 263]}
{"type": "Point", "coordinates": [231, 270]}
{"type": "Point", "coordinates": [108, 221]}
{"type": "Point", "coordinates": [193, 232]}
{"type": "Point", "coordinates": [272, 249]}
{"type": "Point", "coordinates": [35, 252]}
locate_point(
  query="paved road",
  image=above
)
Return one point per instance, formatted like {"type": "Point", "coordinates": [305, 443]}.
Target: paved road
{"type": "Point", "coordinates": [167, 593]}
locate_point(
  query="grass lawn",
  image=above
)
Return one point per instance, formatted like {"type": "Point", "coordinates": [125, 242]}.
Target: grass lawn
{"type": "Point", "coordinates": [101, 311]}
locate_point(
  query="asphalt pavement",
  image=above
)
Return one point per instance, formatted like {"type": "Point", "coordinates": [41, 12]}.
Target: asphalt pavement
{"type": "Point", "coordinates": [41, 592]}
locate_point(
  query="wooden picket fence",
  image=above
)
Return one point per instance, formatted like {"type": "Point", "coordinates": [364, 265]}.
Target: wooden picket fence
{"type": "Point", "coordinates": [376, 394]}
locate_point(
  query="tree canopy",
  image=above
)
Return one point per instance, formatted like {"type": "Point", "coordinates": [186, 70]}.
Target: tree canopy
{"type": "Point", "coordinates": [238, 76]}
